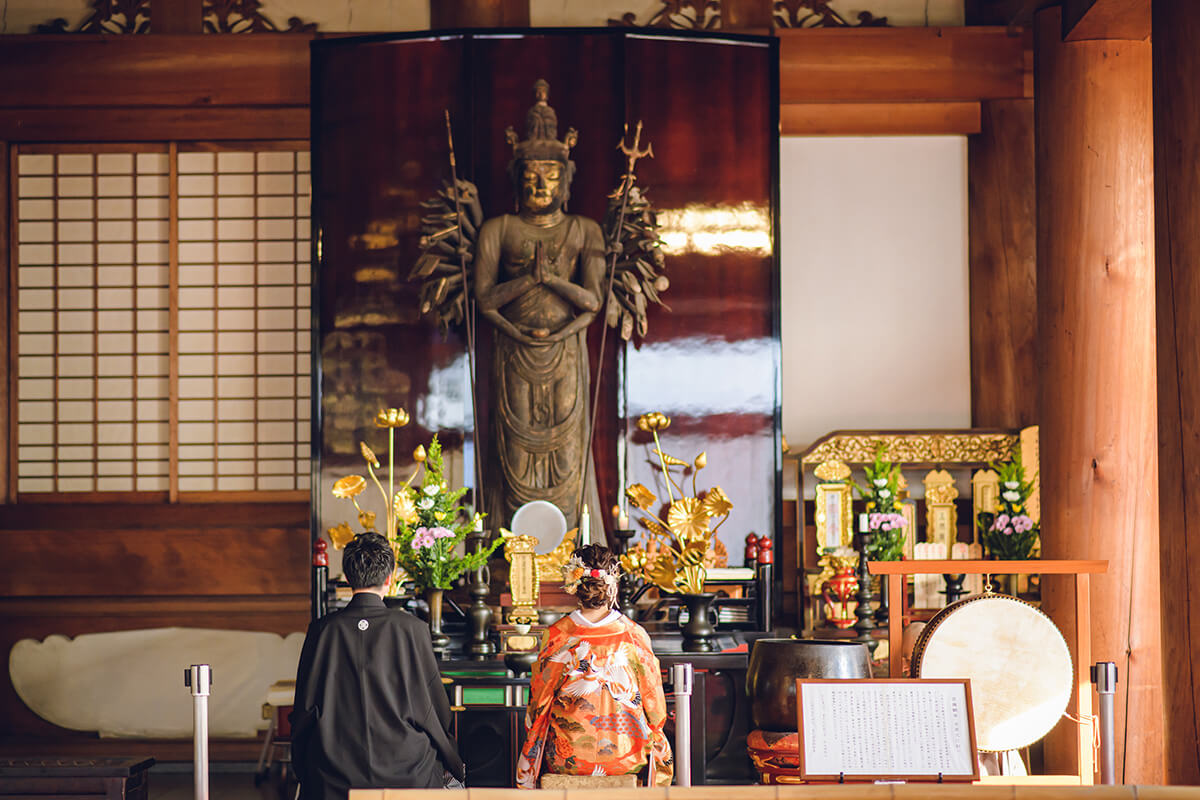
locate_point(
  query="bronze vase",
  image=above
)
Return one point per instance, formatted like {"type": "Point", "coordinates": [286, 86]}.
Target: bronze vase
{"type": "Point", "coordinates": [441, 642]}
{"type": "Point", "coordinates": [776, 664]}
{"type": "Point", "coordinates": [698, 631]}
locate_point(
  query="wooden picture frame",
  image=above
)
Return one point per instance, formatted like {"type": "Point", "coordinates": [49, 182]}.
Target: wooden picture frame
{"type": "Point", "coordinates": [856, 716]}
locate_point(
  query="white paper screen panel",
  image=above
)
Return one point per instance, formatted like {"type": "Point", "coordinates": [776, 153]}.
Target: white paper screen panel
{"type": "Point", "coordinates": [94, 309]}
{"type": "Point", "coordinates": [243, 321]}
{"type": "Point", "coordinates": [92, 322]}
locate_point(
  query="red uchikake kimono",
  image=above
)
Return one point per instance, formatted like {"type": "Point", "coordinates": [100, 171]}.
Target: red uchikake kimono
{"type": "Point", "coordinates": [596, 704]}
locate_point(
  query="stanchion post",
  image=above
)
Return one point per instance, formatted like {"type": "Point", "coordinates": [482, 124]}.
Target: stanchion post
{"type": "Point", "coordinates": [199, 678]}
{"type": "Point", "coordinates": [1104, 675]}
{"type": "Point", "coordinates": [681, 689]}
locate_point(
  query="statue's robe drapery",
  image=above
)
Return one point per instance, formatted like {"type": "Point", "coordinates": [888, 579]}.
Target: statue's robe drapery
{"type": "Point", "coordinates": [539, 392]}
{"type": "Point", "coordinates": [596, 704]}
{"type": "Point", "coordinates": [371, 710]}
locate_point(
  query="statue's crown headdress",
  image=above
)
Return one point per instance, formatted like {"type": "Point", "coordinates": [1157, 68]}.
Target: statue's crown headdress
{"type": "Point", "coordinates": [541, 131]}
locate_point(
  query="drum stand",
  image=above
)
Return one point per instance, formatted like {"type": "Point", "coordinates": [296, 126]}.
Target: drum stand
{"type": "Point", "coordinates": [1081, 571]}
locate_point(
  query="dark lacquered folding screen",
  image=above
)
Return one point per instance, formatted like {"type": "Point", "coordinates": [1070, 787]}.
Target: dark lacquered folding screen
{"type": "Point", "coordinates": [709, 108]}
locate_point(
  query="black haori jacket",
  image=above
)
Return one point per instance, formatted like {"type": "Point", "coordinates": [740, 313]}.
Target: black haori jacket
{"type": "Point", "coordinates": [371, 711]}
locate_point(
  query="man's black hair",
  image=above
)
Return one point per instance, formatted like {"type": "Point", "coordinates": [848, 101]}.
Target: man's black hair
{"type": "Point", "coordinates": [368, 561]}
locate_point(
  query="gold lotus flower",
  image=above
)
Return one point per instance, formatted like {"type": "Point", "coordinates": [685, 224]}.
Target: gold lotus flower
{"type": "Point", "coordinates": [349, 486]}
{"type": "Point", "coordinates": [654, 421]}
{"type": "Point", "coordinates": [661, 571]}
{"type": "Point", "coordinates": [419, 454]}
{"type": "Point", "coordinates": [341, 535]}
{"type": "Point", "coordinates": [687, 519]}
{"type": "Point", "coordinates": [391, 418]}
{"type": "Point", "coordinates": [670, 459]}
{"type": "Point", "coordinates": [653, 527]}
{"type": "Point", "coordinates": [693, 554]}
{"type": "Point", "coordinates": [404, 508]}
{"type": "Point", "coordinates": [368, 454]}
{"type": "Point", "coordinates": [716, 503]}
{"type": "Point", "coordinates": [367, 520]}
{"type": "Point", "coordinates": [701, 460]}
{"type": "Point", "coordinates": [640, 496]}
{"type": "Point", "coordinates": [633, 561]}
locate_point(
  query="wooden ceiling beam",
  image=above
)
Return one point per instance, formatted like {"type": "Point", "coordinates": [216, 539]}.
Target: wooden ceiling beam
{"type": "Point", "coordinates": [1106, 19]}
{"type": "Point", "coordinates": [877, 65]}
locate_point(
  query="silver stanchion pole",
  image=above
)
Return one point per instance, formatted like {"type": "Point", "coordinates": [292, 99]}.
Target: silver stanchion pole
{"type": "Point", "coordinates": [199, 678]}
{"type": "Point", "coordinates": [681, 689]}
{"type": "Point", "coordinates": [1104, 675]}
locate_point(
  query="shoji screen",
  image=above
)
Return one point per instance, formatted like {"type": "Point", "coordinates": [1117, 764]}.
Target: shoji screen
{"type": "Point", "coordinates": [162, 325]}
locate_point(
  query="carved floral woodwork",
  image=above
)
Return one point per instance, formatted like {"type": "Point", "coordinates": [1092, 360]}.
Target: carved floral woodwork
{"type": "Point", "coordinates": [245, 16]}
{"type": "Point", "coordinates": [107, 16]}
{"type": "Point", "coordinates": [818, 14]}
{"type": "Point", "coordinates": [703, 15]}
{"type": "Point", "coordinates": [915, 448]}
{"type": "Point", "coordinates": [134, 16]}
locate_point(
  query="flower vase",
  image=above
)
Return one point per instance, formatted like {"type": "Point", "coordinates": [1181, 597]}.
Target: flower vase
{"type": "Point", "coordinates": [441, 642]}
{"type": "Point", "coordinates": [698, 631]}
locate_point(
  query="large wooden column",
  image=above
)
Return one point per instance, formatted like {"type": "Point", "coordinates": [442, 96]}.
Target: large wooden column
{"type": "Point", "coordinates": [1097, 392]}
{"type": "Point", "coordinates": [1002, 241]}
{"type": "Point", "coordinates": [1177, 209]}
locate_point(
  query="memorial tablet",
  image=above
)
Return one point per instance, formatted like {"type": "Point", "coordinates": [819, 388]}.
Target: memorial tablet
{"type": "Point", "coordinates": [886, 729]}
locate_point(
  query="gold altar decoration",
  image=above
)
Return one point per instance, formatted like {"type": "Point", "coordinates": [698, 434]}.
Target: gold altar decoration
{"type": "Point", "coordinates": [985, 493]}
{"type": "Point", "coordinates": [914, 449]}
{"type": "Point", "coordinates": [834, 514]}
{"type": "Point", "coordinates": [941, 516]}
{"type": "Point", "coordinates": [675, 551]}
{"type": "Point", "coordinates": [523, 579]}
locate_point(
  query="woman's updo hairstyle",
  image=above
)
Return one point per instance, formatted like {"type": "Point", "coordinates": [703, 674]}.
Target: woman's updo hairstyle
{"type": "Point", "coordinates": [601, 591]}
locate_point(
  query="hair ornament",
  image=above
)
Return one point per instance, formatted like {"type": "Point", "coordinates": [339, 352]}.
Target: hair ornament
{"type": "Point", "coordinates": [575, 571]}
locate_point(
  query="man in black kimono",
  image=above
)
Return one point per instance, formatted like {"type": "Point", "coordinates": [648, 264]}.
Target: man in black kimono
{"type": "Point", "coordinates": [371, 711]}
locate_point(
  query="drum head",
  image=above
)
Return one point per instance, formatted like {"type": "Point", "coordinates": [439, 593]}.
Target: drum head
{"type": "Point", "coordinates": [1018, 662]}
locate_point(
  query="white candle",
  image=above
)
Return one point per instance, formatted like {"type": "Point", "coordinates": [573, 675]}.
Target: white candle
{"type": "Point", "coordinates": [623, 521]}
{"type": "Point", "coordinates": [585, 537]}
{"type": "Point", "coordinates": [863, 524]}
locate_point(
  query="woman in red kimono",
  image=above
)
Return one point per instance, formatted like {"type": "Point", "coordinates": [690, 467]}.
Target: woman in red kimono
{"type": "Point", "coordinates": [596, 704]}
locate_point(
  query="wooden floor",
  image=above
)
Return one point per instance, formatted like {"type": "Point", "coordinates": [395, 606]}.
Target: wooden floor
{"type": "Point", "coordinates": [174, 784]}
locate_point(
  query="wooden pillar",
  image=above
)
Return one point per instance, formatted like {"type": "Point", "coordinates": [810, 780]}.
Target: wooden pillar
{"type": "Point", "coordinates": [1097, 391]}
{"type": "Point", "coordinates": [1177, 260]}
{"type": "Point", "coordinates": [1002, 225]}
{"type": "Point", "coordinates": [478, 14]}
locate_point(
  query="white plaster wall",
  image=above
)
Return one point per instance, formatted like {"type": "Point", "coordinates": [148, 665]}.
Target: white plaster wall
{"type": "Point", "coordinates": [874, 284]}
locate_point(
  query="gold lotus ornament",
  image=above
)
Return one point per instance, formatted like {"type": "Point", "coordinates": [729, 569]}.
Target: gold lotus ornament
{"type": "Point", "coordinates": [349, 486]}
{"type": "Point", "coordinates": [640, 496]}
{"type": "Point", "coordinates": [341, 535]}
{"type": "Point", "coordinates": [676, 551]}
{"type": "Point", "coordinates": [391, 418]}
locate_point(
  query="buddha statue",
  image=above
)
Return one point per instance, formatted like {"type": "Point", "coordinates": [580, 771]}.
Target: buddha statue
{"type": "Point", "coordinates": [539, 277]}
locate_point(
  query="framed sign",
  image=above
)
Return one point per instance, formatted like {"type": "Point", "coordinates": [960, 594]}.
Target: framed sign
{"type": "Point", "coordinates": [886, 729]}
{"type": "Point", "coordinates": [834, 518]}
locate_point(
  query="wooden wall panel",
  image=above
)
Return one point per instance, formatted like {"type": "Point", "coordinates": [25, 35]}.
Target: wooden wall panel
{"type": "Point", "coordinates": [1097, 392]}
{"type": "Point", "coordinates": [110, 567]}
{"type": "Point", "coordinates": [155, 124]}
{"type": "Point", "coordinates": [159, 70]}
{"type": "Point", "coordinates": [1002, 230]}
{"type": "Point", "coordinates": [1177, 255]}
{"type": "Point", "coordinates": [819, 65]}
{"type": "Point", "coordinates": [878, 119]}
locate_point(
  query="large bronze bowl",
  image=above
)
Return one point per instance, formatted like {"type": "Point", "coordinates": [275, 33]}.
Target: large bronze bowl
{"type": "Point", "coordinates": [775, 664]}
